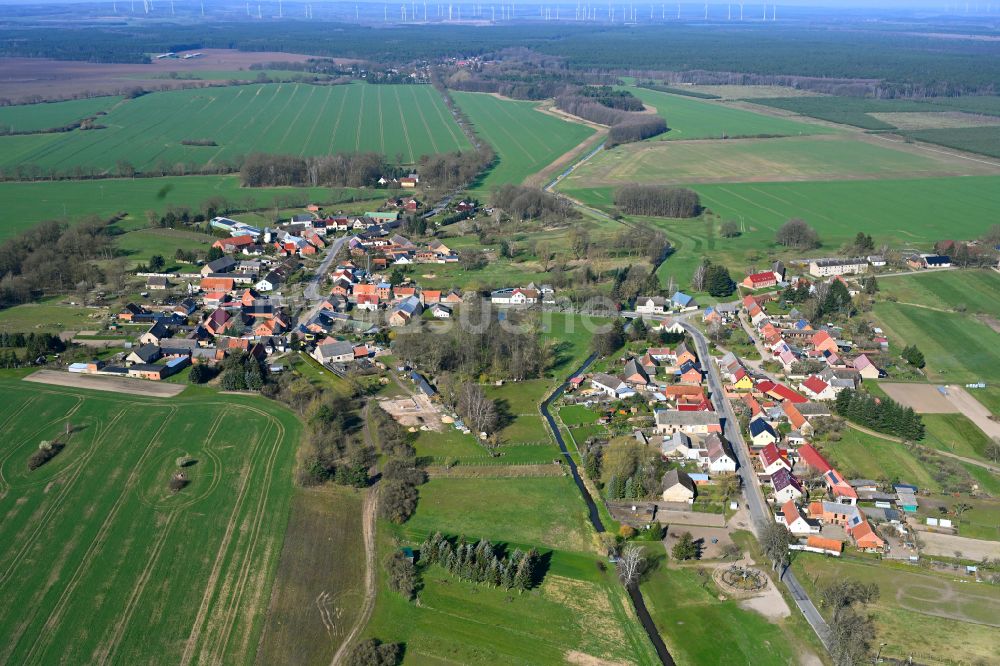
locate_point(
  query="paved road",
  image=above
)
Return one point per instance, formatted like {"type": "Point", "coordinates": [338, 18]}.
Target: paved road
{"type": "Point", "coordinates": [760, 512]}
{"type": "Point", "coordinates": [312, 292]}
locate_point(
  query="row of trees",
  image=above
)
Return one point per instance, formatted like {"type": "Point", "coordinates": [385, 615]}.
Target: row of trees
{"type": "Point", "coordinates": [35, 344]}
{"type": "Point", "coordinates": [339, 170]}
{"type": "Point", "coordinates": [657, 200]}
{"type": "Point", "coordinates": [400, 474]}
{"type": "Point", "coordinates": [883, 415]}
{"type": "Point", "coordinates": [484, 562]}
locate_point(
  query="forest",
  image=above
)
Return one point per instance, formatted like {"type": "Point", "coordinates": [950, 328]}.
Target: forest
{"type": "Point", "coordinates": [893, 62]}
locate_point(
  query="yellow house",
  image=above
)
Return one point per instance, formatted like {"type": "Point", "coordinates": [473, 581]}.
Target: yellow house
{"type": "Point", "coordinates": [744, 383]}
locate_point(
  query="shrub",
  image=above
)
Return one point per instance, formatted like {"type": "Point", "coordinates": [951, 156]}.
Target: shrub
{"type": "Point", "coordinates": [46, 451]}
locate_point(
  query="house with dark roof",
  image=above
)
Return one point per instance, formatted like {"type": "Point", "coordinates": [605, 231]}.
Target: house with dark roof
{"type": "Point", "coordinates": [147, 353]}
{"type": "Point", "coordinates": [761, 432]}
{"type": "Point", "coordinates": [677, 486]}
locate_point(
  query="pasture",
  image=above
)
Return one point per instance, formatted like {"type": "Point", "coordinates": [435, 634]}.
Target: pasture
{"type": "Point", "coordinates": [958, 348]}
{"type": "Point", "coordinates": [27, 203]}
{"type": "Point", "coordinates": [524, 139]}
{"type": "Point", "coordinates": [931, 617]}
{"type": "Point", "coordinates": [50, 115]}
{"type": "Point", "coordinates": [691, 118]}
{"type": "Point", "coordinates": [830, 157]}
{"type": "Point", "coordinates": [52, 316]}
{"type": "Point", "coordinates": [102, 563]}
{"type": "Point", "coordinates": [292, 118]}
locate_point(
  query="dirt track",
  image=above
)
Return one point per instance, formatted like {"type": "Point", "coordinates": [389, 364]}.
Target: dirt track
{"type": "Point", "coordinates": [136, 387]}
{"type": "Point", "coordinates": [965, 403]}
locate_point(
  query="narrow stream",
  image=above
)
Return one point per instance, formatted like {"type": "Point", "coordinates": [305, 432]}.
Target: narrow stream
{"type": "Point", "coordinates": [595, 518]}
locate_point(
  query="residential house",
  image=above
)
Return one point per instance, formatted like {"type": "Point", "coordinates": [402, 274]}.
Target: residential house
{"type": "Point", "coordinates": [865, 537]}
{"type": "Point", "coordinates": [677, 486]}
{"type": "Point", "coordinates": [719, 455]}
{"type": "Point", "coordinates": [790, 516]}
{"type": "Point", "coordinates": [847, 516]}
{"type": "Point", "coordinates": [158, 331]}
{"type": "Point", "coordinates": [669, 421]}
{"type": "Point", "coordinates": [611, 386]}
{"type": "Point", "coordinates": [217, 284]}
{"type": "Point", "coordinates": [683, 301]}
{"type": "Point", "coordinates": [760, 280]}
{"type": "Point", "coordinates": [651, 305]}
{"type": "Point", "coordinates": [336, 351]}
{"type": "Point", "coordinates": [147, 353]}
{"type": "Point", "coordinates": [439, 311]}
{"type": "Point", "coordinates": [185, 308]}
{"type": "Point", "coordinates": [761, 432]}
{"type": "Point", "coordinates": [220, 265]}
{"type": "Point", "coordinates": [405, 311]}
{"type": "Point", "coordinates": [838, 266]}
{"type": "Point", "coordinates": [135, 314]}
{"type": "Point", "coordinates": [771, 459]}
{"type": "Point", "coordinates": [866, 368]}
{"type": "Point", "coordinates": [680, 445]}
{"type": "Point", "coordinates": [786, 487]}
{"type": "Point", "coordinates": [817, 389]}
{"type": "Point", "coordinates": [635, 374]}
{"type": "Point", "coordinates": [841, 490]}
{"type": "Point", "coordinates": [157, 283]}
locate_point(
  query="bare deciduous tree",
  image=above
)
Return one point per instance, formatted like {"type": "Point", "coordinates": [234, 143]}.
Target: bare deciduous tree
{"type": "Point", "coordinates": [478, 410]}
{"type": "Point", "coordinates": [630, 564]}
{"type": "Point", "coordinates": [698, 279]}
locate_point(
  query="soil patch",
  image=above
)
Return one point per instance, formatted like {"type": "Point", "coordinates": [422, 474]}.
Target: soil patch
{"type": "Point", "coordinates": [923, 398]}
{"type": "Point", "coordinates": [140, 387]}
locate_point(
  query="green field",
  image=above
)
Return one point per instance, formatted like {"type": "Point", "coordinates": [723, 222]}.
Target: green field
{"type": "Point", "coordinates": [698, 628]}
{"type": "Point", "coordinates": [983, 140]}
{"type": "Point", "coordinates": [932, 618]}
{"type": "Point", "coordinates": [26, 204]}
{"type": "Point", "coordinates": [690, 118]}
{"type": "Point", "coordinates": [102, 563]}
{"type": "Point", "coordinates": [862, 456]}
{"type": "Point", "coordinates": [958, 348]}
{"type": "Point", "coordinates": [525, 140]}
{"type": "Point", "coordinates": [52, 316]}
{"type": "Point", "coordinates": [50, 115]}
{"type": "Point", "coordinates": [141, 244]}
{"type": "Point", "coordinates": [846, 110]}
{"type": "Point", "coordinates": [579, 612]}
{"type": "Point", "coordinates": [955, 433]}
{"type": "Point", "coordinates": [291, 118]}
{"type": "Point", "coordinates": [977, 292]}
{"type": "Point", "coordinates": [834, 157]}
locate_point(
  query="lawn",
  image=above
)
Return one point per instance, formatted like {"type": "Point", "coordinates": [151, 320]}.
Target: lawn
{"type": "Point", "coordinates": [690, 118]}
{"type": "Point", "coordinates": [51, 115]}
{"type": "Point", "coordinates": [931, 618]}
{"type": "Point", "coordinates": [290, 118]}
{"type": "Point", "coordinates": [577, 415]}
{"type": "Point", "coordinates": [958, 348]}
{"type": "Point", "coordinates": [317, 579]}
{"type": "Point", "coordinates": [26, 204]}
{"type": "Point", "coordinates": [525, 140]}
{"type": "Point", "coordinates": [698, 628]}
{"type": "Point", "coordinates": [571, 336]}
{"type": "Point", "coordinates": [95, 534]}
{"type": "Point", "coordinates": [832, 157]}
{"type": "Point", "coordinates": [520, 401]}
{"type": "Point", "coordinates": [955, 433]}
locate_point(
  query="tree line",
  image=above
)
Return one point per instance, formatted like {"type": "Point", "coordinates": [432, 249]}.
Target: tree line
{"type": "Point", "coordinates": [338, 170]}
{"type": "Point", "coordinates": [657, 200]}
{"type": "Point", "coordinates": [883, 415]}
{"type": "Point", "coordinates": [483, 562]}
{"type": "Point", "coordinates": [530, 203]}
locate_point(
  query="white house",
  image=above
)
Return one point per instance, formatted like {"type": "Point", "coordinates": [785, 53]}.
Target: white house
{"type": "Point", "coordinates": [792, 518]}
{"type": "Point", "coordinates": [817, 389]}
{"type": "Point", "coordinates": [771, 460]}
{"type": "Point", "coordinates": [786, 487]}
{"type": "Point", "coordinates": [610, 385]}
{"type": "Point", "coordinates": [720, 457]}
{"type": "Point", "coordinates": [762, 433]}
{"type": "Point", "coordinates": [651, 305]}
{"type": "Point", "coordinates": [669, 421]}
{"type": "Point", "coordinates": [334, 352]}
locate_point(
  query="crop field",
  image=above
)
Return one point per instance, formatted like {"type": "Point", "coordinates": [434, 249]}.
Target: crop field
{"type": "Point", "coordinates": [525, 140]}
{"type": "Point", "coordinates": [35, 117]}
{"type": "Point", "coordinates": [846, 110]}
{"type": "Point", "coordinates": [984, 139]}
{"type": "Point", "coordinates": [936, 120]}
{"type": "Point", "coordinates": [688, 614]}
{"type": "Point", "coordinates": [929, 617]}
{"type": "Point", "coordinates": [690, 118]}
{"type": "Point", "coordinates": [832, 157]}
{"type": "Point", "coordinates": [291, 118]}
{"type": "Point", "coordinates": [101, 563]}
{"type": "Point", "coordinates": [26, 204]}
{"type": "Point", "coordinates": [958, 348]}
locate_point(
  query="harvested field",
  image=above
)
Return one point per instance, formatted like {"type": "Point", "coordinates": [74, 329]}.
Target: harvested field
{"type": "Point", "coordinates": [947, 545]}
{"type": "Point", "coordinates": [22, 78]}
{"type": "Point", "coordinates": [923, 398]}
{"type": "Point", "coordinates": [413, 412]}
{"type": "Point", "coordinates": [139, 387]}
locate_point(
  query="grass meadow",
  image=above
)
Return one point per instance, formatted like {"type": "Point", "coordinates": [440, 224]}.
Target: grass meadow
{"type": "Point", "coordinates": [862, 456]}
{"type": "Point", "coordinates": [929, 617]}
{"type": "Point", "coordinates": [101, 563]}
{"type": "Point", "coordinates": [290, 118]}
{"type": "Point", "coordinates": [976, 292]}
{"type": "Point", "coordinates": [37, 117]}
{"type": "Point", "coordinates": [690, 118]}
{"type": "Point", "coordinates": [525, 140]}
